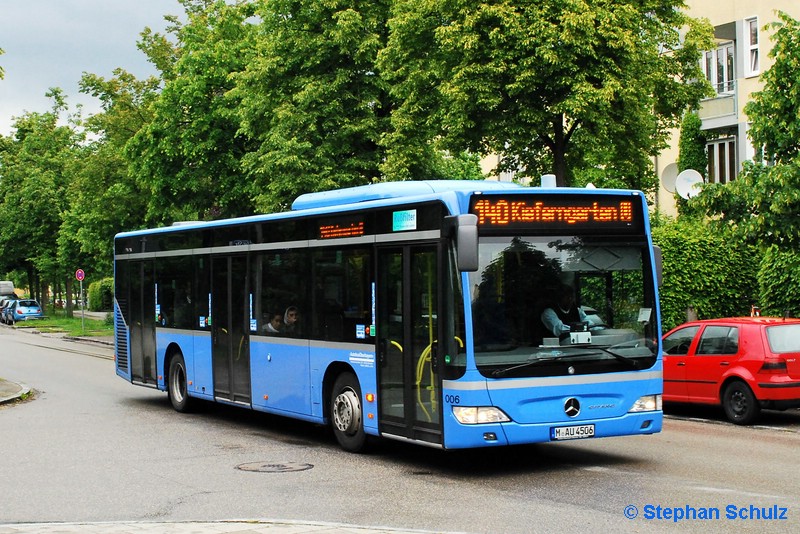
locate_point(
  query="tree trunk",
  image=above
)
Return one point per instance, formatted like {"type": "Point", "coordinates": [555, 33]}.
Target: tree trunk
{"type": "Point", "coordinates": [69, 295]}
{"type": "Point", "coordinates": [559, 151]}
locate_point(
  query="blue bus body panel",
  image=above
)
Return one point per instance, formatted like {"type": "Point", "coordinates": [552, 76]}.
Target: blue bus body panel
{"type": "Point", "coordinates": [286, 375]}
{"type": "Point", "coordinates": [280, 375]}
{"type": "Point", "coordinates": [361, 359]}
{"type": "Point", "coordinates": [195, 346]}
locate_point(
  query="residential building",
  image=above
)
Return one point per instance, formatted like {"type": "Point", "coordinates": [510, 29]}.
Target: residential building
{"type": "Point", "coordinates": [733, 67]}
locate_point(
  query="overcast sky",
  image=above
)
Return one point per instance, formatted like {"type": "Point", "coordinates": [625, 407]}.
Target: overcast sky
{"type": "Point", "coordinates": [51, 43]}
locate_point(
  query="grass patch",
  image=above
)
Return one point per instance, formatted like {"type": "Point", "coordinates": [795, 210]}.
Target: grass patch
{"type": "Point", "coordinates": [57, 321]}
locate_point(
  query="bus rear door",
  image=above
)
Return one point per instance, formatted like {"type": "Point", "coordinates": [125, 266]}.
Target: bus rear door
{"type": "Point", "coordinates": [143, 323]}
{"type": "Point", "coordinates": [230, 340]}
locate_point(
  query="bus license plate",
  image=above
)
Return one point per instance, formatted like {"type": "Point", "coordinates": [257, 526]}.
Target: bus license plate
{"type": "Point", "coordinates": [572, 432]}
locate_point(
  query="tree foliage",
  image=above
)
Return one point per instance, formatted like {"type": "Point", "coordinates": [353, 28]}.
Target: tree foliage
{"type": "Point", "coordinates": [311, 99]}
{"type": "Point", "coordinates": [258, 101]}
{"type": "Point", "coordinates": [774, 111]}
{"type": "Point", "coordinates": [563, 86]}
{"type": "Point", "coordinates": [33, 193]}
{"type": "Point", "coordinates": [188, 155]}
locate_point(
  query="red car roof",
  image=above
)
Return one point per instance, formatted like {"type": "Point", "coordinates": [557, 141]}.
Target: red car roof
{"type": "Point", "coordinates": [767, 321]}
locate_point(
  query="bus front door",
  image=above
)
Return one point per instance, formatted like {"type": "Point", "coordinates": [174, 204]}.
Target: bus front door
{"type": "Point", "coordinates": [230, 343]}
{"type": "Point", "coordinates": [407, 302]}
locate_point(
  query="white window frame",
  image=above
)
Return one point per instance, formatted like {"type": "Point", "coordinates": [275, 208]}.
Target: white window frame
{"type": "Point", "coordinates": [722, 166]}
{"type": "Point", "coordinates": [752, 36]}
{"type": "Point", "coordinates": [719, 67]}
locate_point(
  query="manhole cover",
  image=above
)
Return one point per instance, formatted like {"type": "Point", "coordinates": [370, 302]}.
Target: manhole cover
{"type": "Point", "coordinates": [267, 467]}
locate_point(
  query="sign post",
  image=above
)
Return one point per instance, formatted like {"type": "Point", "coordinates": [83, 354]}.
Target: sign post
{"type": "Point", "coordinates": [80, 275]}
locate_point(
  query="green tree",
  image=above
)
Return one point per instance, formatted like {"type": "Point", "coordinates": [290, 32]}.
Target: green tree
{"type": "Point", "coordinates": [773, 111]}
{"type": "Point", "coordinates": [35, 179]}
{"type": "Point", "coordinates": [103, 197]}
{"type": "Point", "coordinates": [312, 99]}
{"type": "Point", "coordinates": [564, 86]}
{"type": "Point", "coordinates": [189, 154]}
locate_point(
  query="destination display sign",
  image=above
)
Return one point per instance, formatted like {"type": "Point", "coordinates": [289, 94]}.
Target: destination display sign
{"type": "Point", "coordinates": [340, 229]}
{"type": "Point", "coordinates": [561, 212]}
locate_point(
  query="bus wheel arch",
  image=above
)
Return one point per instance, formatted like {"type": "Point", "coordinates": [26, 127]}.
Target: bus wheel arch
{"type": "Point", "coordinates": [345, 408]}
{"type": "Point", "coordinates": [177, 381]}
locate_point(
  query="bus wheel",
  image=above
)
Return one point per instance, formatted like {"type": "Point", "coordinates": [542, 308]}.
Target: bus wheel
{"type": "Point", "coordinates": [177, 386]}
{"type": "Point", "coordinates": [346, 413]}
{"type": "Point", "coordinates": [740, 404]}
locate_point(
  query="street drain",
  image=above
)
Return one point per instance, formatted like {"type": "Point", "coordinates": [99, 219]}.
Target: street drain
{"type": "Point", "coordinates": [284, 467]}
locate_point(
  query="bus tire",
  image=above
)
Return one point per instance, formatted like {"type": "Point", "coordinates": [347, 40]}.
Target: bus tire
{"type": "Point", "coordinates": [347, 415]}
{"type": "Point", "coordinates": [741, 406]}
{"type": "Point", "coordinates": [177, 385]}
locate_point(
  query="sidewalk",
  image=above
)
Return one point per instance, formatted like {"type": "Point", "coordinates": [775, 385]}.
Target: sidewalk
{"type": "Point", "coordinates": [259, 526]}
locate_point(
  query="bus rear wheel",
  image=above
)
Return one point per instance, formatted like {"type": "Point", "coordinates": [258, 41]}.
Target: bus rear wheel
{"type": "Point", "coordinates": [347, 413]}
{"type": "Point", "coordinates": [177, 387]}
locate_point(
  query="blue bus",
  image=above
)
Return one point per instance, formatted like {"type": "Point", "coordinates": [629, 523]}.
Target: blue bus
{"type": "Point", "coordinates": [412, 311]}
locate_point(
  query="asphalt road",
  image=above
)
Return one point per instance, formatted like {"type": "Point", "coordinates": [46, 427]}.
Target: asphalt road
{"type": "Point", "coordinates": [89, 447]}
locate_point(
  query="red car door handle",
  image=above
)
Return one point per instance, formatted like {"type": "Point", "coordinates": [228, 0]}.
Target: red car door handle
{"type": "Point", "coordinates": [681, 364]}
{"type": "Point", "coordinates": [724, 363]}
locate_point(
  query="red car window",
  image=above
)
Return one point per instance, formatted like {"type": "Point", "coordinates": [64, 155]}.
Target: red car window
{"type": "Point", "coordinates": [784, 338]}
{"type": "Point", "coordinates": [719, 340]}
{"type": "Point", "coordinates": [678, 343]}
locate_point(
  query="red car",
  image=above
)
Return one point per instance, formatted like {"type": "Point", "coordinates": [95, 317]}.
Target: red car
{"type": "Point", "coordinates": [745, 364]}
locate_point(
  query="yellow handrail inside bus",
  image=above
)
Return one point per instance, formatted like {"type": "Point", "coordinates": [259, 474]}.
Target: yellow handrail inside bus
{"type": "Point", "coordinates": [424, 359]}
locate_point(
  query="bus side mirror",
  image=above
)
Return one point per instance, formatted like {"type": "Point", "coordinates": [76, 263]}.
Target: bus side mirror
{"type": "Point", "coordinates": [659, 265]}
{"type": "Point", "coordinates": [465, 228]}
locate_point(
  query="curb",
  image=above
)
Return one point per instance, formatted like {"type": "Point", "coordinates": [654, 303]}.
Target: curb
{"type": "Point", "coordinates": [11, 391]}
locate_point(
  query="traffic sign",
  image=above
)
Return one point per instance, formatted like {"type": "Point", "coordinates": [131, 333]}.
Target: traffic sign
{"type": "Point", "coordinates": [80, 275]}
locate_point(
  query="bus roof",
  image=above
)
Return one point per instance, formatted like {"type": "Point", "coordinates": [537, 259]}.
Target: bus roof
{"type": "Point", "coordinates": [374, 195]}
{"type": "Point", "coordinates": [386, 190]}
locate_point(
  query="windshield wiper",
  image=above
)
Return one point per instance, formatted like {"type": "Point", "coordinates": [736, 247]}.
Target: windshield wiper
{"type": "Point", "coordinates": [630, 361]}
{"type": "Point", "coordinates": [530, 363]}
{"type": "Point", "coordinates": [537, 361]}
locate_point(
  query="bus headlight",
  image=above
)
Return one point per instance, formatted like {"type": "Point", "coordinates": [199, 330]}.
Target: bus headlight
{"type": "Point", "coordinates": [648, 403]}
{"type": "Point", "coordinates": [476, 415]}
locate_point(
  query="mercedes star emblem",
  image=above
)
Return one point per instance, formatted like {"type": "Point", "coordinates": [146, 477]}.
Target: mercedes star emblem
{"type": "Point", "coordinates": [572, 407]}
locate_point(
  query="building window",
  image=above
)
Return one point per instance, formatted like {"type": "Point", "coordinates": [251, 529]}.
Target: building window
{"type": "Point", "coordinates": [752, 66]}
{"type": "Point", "coordinates": [718, 65]}
{"type": "Point", "coordinates": [722, 160]}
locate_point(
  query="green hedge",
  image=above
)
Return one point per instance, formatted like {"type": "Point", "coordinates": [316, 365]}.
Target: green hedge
{"type": "Point", "coordinates": [710, 270]}
{"type": "Point", "coordinates": [101, 295]}
{"type": "Point", "coordinates": [777, 281]}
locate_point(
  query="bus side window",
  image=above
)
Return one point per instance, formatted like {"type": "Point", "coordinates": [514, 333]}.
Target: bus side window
{"type": "Point", "coordinates": [280, 284]}
{"type": "Point", "coordinates": [341, 298]}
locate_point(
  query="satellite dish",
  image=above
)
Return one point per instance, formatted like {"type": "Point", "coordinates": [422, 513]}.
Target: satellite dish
{"type": "Point", "coordinates": [687, 183]}
{"type": "Point", "coordinates": [668, 177]}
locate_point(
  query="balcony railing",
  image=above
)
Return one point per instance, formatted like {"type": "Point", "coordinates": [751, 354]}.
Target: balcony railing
{"type": "Point", "coordinates": [724, 104]}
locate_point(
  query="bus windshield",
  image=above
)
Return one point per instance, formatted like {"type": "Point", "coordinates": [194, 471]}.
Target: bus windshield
{"type": "Point", "coordinates": [558, 305]}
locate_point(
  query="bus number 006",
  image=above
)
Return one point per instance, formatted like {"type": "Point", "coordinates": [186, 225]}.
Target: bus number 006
{"type": "Point", "coordinates": [452, 399]}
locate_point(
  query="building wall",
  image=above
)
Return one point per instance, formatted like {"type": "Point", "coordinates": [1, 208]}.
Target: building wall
{"type": "Point", "coordinates": [724, 115]}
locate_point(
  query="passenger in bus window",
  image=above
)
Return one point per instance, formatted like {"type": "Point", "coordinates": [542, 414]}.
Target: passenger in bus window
{"type": "Point", "coordinates": [290, 318]}
{"type": "Point", "coordinates": [274, 325]}
{"type": "Point", "coordinates": [562, 312]}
